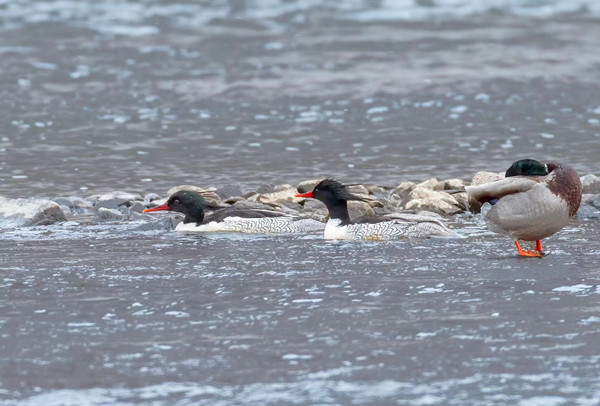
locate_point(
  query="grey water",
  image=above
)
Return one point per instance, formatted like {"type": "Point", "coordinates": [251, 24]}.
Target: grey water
{"type": "Point", "coordinates": [99, 96]}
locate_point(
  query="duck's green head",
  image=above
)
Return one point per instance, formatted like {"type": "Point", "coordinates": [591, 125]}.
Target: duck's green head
{"type": "Point", "coordinates": [527, 167]}
{"type": "Point", "coordinates": [188, 203]}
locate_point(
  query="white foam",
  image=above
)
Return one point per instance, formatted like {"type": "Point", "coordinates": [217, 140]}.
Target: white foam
{"type": "Point", "coordinates": [21, 212]}
{"type": "Point", "coordinates": [573, 288]}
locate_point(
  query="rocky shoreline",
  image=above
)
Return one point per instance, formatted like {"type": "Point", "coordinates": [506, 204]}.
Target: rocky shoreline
{"type": "Point", "coordinates": [429, 197]}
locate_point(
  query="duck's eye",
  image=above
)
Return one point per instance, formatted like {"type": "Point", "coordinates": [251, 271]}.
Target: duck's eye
{"type": "Point", "coordinates": [176, 201]}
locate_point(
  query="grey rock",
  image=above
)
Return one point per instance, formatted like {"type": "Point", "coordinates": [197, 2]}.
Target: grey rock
{"type": "Point", "coordinates": [590, 184]}
{"type": "Point", "coordinates": [136, 207]}
{"type": "Point", "coordinates": [65, 209]}
{"type": "Point", "coordinates": [374, 203]}
{"type": "Point", "coordinates": [588, 198]}
{"type": "Point", "coordinates": [64, 201]}
{"type": "Point", "coordinates": [596, 201]}
{"type": "Point", "coordinates": [462, 199]}
{"type": "Point", "coordinates": [136, 216]}
{"type": "Point", "coordinates": [266, 188]}
{"type": "Point", "coordinates": [233, 199]}
{"type": "Point", "coordinates": [587, 212]}
{"type": "Point", "coordinates": [275, 199]}
{"type": "Point", "coordinates": [485, 177]}
{"type": "Point", "coordinates": [150, 197]}
{"type": "Point", "coordinates": [432, 200]}
{"type": "Point", "coordinates": [285, 186]}
{"type": "Point", "coordinates": [104, 214]}
{"type": "Point", "coordinates": [451, 184]}
{"type": "Point", "coordinates": [24, 212]}
{"type": "Point", "coordinates": [248, 204]}
{"type": "Point", "coordinates": [359, 190]}
{"type": "Point", "coordinates": [401, 195]}
{"type": "Point", "coordinates": [226, 192]}
{"type": "Point", "coordinates": [115, 199]}
{"type": "Point", "coordinates": [358, 209]}
{"type": "Point", "coordinates": [431, 184]}
{"type": "Point", "coordinates": [428, 213]}
{"type": "Point", "coordinates": [292, 205]}
{"type": "Point", "coordinates": [379, 192]}
{"type": "Point", "coordinates": [49, 215]}
{"type": "Point", "coordinates": [307, 185]}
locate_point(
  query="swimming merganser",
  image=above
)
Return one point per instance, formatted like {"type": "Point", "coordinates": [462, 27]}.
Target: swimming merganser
{"type": "Point", "coordinates": [532, 202]}
{"type": "Point", "coordinates": [373, 227]}
{"type": "Point", "coordinates": [232, 219]}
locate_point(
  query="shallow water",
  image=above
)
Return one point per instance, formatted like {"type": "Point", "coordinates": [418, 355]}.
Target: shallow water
{"type": "Point", "coordinates": [236, 319]}
{"type": "Point", "coordinates": [145, 95]}
{"type": "Point", "coordinates": [141, 96]}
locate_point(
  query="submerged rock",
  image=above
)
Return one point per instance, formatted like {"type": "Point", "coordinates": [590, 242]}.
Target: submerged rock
{"type": "Point", "coordinates": [104, 214]}
{"type": "Point", "coordinates": [28, 212]}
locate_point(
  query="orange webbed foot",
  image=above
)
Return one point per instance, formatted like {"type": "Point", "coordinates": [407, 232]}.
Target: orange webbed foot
{"type": "Point", "coordinates": [530, 253]}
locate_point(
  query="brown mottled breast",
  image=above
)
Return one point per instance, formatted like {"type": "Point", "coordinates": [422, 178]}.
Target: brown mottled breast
{"type": "Point", "coordinates": [566, 184]}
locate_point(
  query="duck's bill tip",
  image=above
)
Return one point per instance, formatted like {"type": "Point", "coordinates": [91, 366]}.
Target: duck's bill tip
{"type": "Point", "coordinates": [309, 194]}
{"type": "Point", "coordinates": [159, 208]}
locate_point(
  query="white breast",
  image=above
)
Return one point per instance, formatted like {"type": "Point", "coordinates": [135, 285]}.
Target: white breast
{"type": "Point", "coordinates": [271, 225]}
{"type": "Point", "coordinates": [334, 230]}
{"type": "Point", "coordinates": [388, 230]}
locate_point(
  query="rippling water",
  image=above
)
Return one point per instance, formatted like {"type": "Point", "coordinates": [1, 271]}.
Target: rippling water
{"type": "Point", "coordinates": [140, 96]}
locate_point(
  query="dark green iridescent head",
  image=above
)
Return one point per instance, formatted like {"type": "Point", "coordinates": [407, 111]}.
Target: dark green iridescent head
{"type": "Point", "coordinates": [527, 167]}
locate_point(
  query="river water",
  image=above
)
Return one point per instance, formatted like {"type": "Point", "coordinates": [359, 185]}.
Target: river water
{"type": "Point", "coordinates": [99, 96]}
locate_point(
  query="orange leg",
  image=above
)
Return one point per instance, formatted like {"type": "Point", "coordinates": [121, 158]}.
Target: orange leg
{"type": "Point", "coordinates": [528, 253]}
{"type": "Point", "coordinates": [538, 245]}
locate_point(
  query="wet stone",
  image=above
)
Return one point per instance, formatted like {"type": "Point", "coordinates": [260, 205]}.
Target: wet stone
{"type": "Point", "coordinates": [379, 192]}
{"type": "Point", "coordinates": [233, 199]}
{"type": "Point", "coordinates": [229, 191]}
{"type": "Point", "coordinates": [358, 209]}
{"type": "Point", "coordinates": [451, 184]}
{"type": "Point", "coordinates": [150, 197]}
{"type": "Point", "coordinates": [307, 185]}
{"type": "Point", "coordinates": [587, 212]}
{"type": "Point", "coordinates": [266, 188]}
{"type": "Point", "coordinates": [437, 202]}
{"type": "Point", "coordinates": [136, 207]}
{"type": "Point", "coordinates": [104, 214]}
{"type": "Point", "coordinates": [115, 199]}
{"type": "Point", "coordinates": [277, 197]}
{"type": "Point", "coordinates": [431, 184]}
{"type": "Point", "coordinates": [590, 184]}
{"type": "Point", "coordinates": [31, 211]}
{"type": "Point", "coordinates": [485, 177]}
{"type": "Point", "coordinates": [248, 204]}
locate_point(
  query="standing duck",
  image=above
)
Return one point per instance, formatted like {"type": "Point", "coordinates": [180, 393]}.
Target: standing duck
{"type": "Point", "coordinates": [532, 202]}
{"type": "Point", "coordinates": [335, 196]}
{"type": "Point", "coordinates": [231, 219]}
